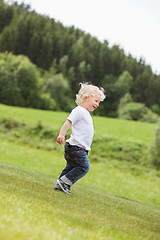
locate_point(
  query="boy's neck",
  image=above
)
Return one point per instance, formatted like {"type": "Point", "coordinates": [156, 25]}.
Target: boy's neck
{"type": "Point", "coordinates": [83, 105]}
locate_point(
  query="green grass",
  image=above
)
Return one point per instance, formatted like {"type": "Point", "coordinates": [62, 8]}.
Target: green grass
{"type": "Point", "coordinates": [125, 130]}
{"type": "Point", "coordinates": [32, 116]}
{"type": "Point", "coordinates": [30, 209]}
{"type": "Point", "coordinates": [129, 181]}
{"type": "Point", "coordinates": [114, 138]}
{"type": "Point", "coordinates": [115, 200]}
{"type": "Point", "coordinates": [128, 130]}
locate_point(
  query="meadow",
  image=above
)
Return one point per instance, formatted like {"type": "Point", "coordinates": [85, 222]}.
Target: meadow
{"type": "Point", "coordinates": [117, 199]}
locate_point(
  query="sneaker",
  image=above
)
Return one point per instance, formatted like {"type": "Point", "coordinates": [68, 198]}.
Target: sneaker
{"type": "Point", "coordinates": [57, 187]}
{"type": "Point", "coordinates": [64, 186]}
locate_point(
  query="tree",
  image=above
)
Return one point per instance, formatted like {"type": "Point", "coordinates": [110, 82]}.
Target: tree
{"type": "Point", "coordinates": [83, 72]}
{"type": "Point", "coordinates": [117, 60]}
{"type": "Point", "coordinates": [105, 67]}
{"type": "Point", "coordinates": [127, 98]}
{"type": "Point", "coordinates": [62, 67]}
{"type": "Point", "coordinates": [141, 90]}
{"type": "Point", "coordinates": [10, 93]}
{"type": "Point", "coordinates": [110, 104]}
{"type": "Point", "coordinates": [19, 77]}
{"type": "Point", "coordinates": [6, 15]}
{"type": "Point", "coordinates": [124, 83]}
{"type": "Point", "coordinates": [57, 86]}
{"type": "Point", "coordinates": [78, 56]}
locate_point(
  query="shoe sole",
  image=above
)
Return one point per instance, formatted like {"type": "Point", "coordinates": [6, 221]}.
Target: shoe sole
{"type": "Point", "coordinates": [57, 189]}
{"type": "Point", "coordinates": [62, 187]}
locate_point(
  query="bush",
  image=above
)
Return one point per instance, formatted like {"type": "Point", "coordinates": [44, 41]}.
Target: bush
{"type": "Point", "coordinates": [46, 102]}
{"type": "Point", "coordinates": [150, 117]}
{"type": "Point", "coordinates": [137, 112]}
{"type": "Point", "coordinates": [127, 98]}
{"type": "Point", "coordinates": [9, 123]}
{"type": "Point", "coordinates": [132, 111]}
{"type": "Point", "coordinates": [155, 108]}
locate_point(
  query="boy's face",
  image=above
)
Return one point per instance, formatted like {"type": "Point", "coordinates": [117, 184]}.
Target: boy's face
{"type": "Point", "coordinates": [92, 102]}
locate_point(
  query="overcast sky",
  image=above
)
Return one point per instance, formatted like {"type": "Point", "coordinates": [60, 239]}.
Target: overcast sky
{"type": "Point", "coordinates": [134, 25]}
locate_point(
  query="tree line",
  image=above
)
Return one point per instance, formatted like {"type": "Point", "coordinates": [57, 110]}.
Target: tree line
{"type": "Point", "coordinates": [43, 62]}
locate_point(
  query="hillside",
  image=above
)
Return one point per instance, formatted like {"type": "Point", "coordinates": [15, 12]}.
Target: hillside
{"type": "Point", "coordinates": [30, 209]}
{"type": "Point", "coordinates": [114, 201]}
{"type": "Point", "coordinates": [114, 138]}
{"type": "Point", "coordinates": [133, 130]}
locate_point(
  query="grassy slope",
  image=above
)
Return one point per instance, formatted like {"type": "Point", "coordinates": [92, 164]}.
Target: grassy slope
{"type": "Point", "coordinates": [30, 209]}
{"type": "Point", "coordinates": [114, 177]}
{"type": "Point", "coordinates": [128, 130]}
{"type": "Point", "coordinates": [32, 116]}
{"type": "Point", "coordinates": [125, 130]}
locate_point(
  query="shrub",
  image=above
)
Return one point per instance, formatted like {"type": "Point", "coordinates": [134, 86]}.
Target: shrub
{"type": "Point", "coordinates": [137, 112]}
{"type": "Point", "coordinates": [127, 98]}
{"type": "Point", "coordinates": [134, 111]}
{"type": "Point", "coordinates": [155, 108]}
{"type": "Point", "coordinates": [46, 102]}
{"type": "Point", "coordinates": [9, 123]}
{"type": "Point", "coordinates": [150, 117]}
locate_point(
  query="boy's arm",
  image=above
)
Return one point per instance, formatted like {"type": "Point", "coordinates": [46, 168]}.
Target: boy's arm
{"type": "Point", "coordinates": [63, 131]}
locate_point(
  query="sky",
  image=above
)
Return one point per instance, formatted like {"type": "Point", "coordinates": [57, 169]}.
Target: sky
{"type": "Point", "coordinates": [134, 25]}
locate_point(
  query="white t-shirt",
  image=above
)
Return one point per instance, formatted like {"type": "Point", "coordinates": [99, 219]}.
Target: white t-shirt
{"type": "Point", "coordinates": [82, 128]}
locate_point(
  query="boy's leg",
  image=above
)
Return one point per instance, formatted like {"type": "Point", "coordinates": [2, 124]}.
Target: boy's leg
{"type": "Point", "coordinates": [77, 167]}
{"type": "Point", "coordinates": [77, 172]}
{"type": "Point", "coordinates": [64, 178]}
{"type": "Point", "coordinates": [67, 169]}
{"type": "Point", "coordinates": [80, 169]}
{"type": "Point", "coordinates": [63, 182]}
{"type": "Point", "coordinates": [77, 158]}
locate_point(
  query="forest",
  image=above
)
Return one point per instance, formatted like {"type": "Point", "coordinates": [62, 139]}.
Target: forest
{"type": "Point", "coordinates": [42, 63]}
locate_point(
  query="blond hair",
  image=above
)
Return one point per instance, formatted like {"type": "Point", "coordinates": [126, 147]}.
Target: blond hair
{"type": "Point", "coordinates": [87, 90]}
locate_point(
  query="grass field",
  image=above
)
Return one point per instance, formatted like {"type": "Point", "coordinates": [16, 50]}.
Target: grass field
{"type": "Point", "coordinates": [128, 130]}
{"type": "Point", "coordinates": [115, 200]}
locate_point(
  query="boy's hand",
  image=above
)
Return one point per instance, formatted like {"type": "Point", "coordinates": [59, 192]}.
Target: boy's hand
{"type": "Point", "coordinates": [60, 139]}
{"type": "Point", "coordinates": [62, 133]}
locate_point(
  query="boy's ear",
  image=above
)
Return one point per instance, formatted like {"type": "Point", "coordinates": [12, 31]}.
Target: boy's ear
{"type": "Point", "coordinates": [85, 98]}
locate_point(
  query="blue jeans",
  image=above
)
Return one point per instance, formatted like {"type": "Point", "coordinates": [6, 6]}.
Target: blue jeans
{"type": "Point", "coordinates": [77, 162]}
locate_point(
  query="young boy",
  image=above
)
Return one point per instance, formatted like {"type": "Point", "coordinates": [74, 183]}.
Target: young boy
{"type": "Point", "coordinates": [78, 145]}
